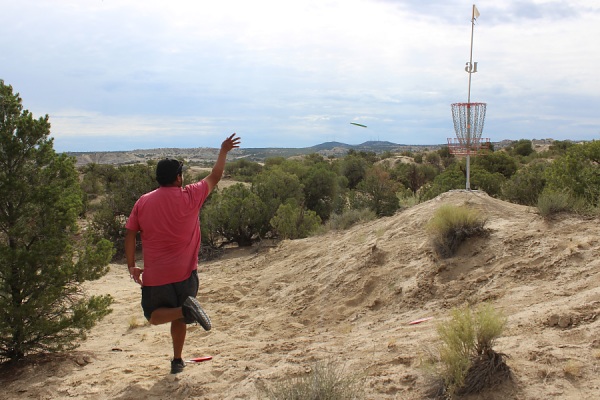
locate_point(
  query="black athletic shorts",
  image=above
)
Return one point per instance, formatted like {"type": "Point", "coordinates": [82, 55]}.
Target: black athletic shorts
{"type": "Point", "coordinates": [171, 295]}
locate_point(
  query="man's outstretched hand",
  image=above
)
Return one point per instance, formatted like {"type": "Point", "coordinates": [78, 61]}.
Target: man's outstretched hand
{"type": "Point", "coordinates": [232, 142]}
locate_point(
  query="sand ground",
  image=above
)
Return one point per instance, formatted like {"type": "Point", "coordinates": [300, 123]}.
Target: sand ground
{"type": "Point", "coordinates": [346, 298]}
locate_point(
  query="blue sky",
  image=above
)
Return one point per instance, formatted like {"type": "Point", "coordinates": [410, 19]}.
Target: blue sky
{"type": "Point", "coordinates": [130, 74]}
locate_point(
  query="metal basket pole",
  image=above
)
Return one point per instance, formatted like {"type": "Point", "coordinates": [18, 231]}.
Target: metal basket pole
{"type": "Point", "coordinates": [470, 70]}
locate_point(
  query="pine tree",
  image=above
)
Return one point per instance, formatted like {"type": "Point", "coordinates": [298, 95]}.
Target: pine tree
{"type": "Point", "coordinates": [43, 257]}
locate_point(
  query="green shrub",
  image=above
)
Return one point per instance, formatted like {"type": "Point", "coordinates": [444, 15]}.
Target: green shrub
{"type": "Point", "coordinates": [452, 178]}
{"type": "Point", "coordinates": [452, 225]}
{"type": "Point", "coordinates": [497, 162]}
{"type": "Point", "coordinates": [235, 214]}
{"type": "Point", "coordinates": [578, 172]}
{"type": "Point", "coordinates": [522, 147]}
{"type": "Point", "coordinates": [467, 359]}
{"type": "Point", "coordinates": [378, 191]}
{"type": "Point", "coordinates": [294, 222]}
{"type": "Point", "coordinates": [326, 382]}
{"type": "Point", "coordinates": [525, 186]}
{"type": "Point", "coordinates": [243, 170]}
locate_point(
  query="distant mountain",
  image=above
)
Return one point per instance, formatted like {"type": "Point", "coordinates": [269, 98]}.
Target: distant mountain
{"type": "Point", "coordinates": [329, 146]}
{"type": "Point", "coordinates": [209, 155]}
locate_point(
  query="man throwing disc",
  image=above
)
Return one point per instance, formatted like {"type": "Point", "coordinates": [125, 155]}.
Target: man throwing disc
{"type": "Point", "coordinates": [170, 231]}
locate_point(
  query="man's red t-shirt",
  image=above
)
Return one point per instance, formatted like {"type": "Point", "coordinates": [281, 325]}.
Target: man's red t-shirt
{"type": "Point", "coordinates": [170, 229]}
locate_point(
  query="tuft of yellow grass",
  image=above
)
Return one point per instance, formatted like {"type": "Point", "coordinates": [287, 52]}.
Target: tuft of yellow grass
{"type": "Point", "coordinates": [135, 323]}
{"type": "Point", "coordinates": [452, 225]}
{"type": "Point", "coordinates": [573, 369]}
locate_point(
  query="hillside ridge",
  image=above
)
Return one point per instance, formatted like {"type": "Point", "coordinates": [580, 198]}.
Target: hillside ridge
{"type": "Point", "coordinates": [347, 297]}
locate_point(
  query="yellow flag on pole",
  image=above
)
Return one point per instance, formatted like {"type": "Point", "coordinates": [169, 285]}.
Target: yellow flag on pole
{"type": "Point", "coordinates": [475, 12]}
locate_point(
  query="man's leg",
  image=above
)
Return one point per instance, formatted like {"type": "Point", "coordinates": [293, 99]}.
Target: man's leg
{"type": "Point", "coordinates": [165, 314]}
{"type": "Point", "coordinates": [178, 331]}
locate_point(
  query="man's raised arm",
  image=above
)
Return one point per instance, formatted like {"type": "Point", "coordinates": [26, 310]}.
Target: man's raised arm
{"type": "Point", "coordinates": [232, 142]}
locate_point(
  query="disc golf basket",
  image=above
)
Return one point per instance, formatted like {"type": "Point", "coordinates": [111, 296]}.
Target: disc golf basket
{"type": "Point", "coordinates": [468, 124]}
{"type": "Point", "coordinates": [468, 117]}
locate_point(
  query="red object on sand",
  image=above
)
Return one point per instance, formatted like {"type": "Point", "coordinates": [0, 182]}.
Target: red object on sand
{"type": "Point", "coordinates": [418, 321]}
{"type": "Point", "coordinates": [200, 359]}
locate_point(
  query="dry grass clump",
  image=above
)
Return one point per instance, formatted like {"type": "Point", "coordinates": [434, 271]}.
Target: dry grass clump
{"type": "Point", "coordinates": [349, 218]}
{"type": "Point", "coordinates": [467, 361]}
{"type": "Point", "coordinates": [326, 381]}
{"type": "Point", "coordinates": [551, 203]}
{"type": "Point", "coordinates": [135, 323]}
{"type": "Point", "coordinates": [573, 369]}
{"type": "Point", "coordinates": [452, 225]}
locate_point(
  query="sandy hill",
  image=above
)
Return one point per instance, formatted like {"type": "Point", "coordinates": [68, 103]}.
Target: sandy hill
{"type": "Point", "coordinates": [347, 297]}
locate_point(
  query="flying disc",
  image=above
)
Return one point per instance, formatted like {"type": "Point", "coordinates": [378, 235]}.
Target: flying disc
{"type": "Point", "coordinates": [357, 124]}
{"type": "Point", "coordinates": [418, 321]}
{"type": "Point", "coordinates": [200, 359]}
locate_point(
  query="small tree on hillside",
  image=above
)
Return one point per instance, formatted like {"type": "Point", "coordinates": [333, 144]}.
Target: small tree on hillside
{"type": "Point", "coordinates": [294, 222]}
{"type": "Point", "coordinates": [236, 214]}
{"type": "Point", "coordinates": [124, 186]}
{"type": "Point", "coordinates": [274, 187]}
{"type": "Point", "coordinates": [380, 192]}
{"type": "Point", "coordinates": [42, 307]}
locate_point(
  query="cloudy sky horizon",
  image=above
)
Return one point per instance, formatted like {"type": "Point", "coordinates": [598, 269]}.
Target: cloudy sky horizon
{"type": "Point", "coordinates": [125, 74]}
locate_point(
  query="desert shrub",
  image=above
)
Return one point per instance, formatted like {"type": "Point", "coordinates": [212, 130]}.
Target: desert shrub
{"type": "Point", "coordinates": [326, 381]}
{"type": "Point", "coordinates": [379, 192]}
{"type": "Point", "coordinates": [407, 198]}
{"type": "Point", "coordinates": [468, 362]}
{"type": "Point", "coordinates": [452, 225]}
{"type": "Point", "coordinates": [235, 215]}
{"type": "Point", "coordinates": [525, 186]}
{"type": "Point", "coordinates": [560, 147]}
{"type": "Point", "coordinates": [349, 218]}
{"type": "Point", "coordinates": [552, 202]}
{"type": "Point", "coordinates": [124, 186]}
{"type": "Point", "coordinates": [274, 186]}
{"type": "Point", "coordinates": [446, 157]}
{"type": "Point", "coordinates": [243, 170]}
{"type": "Point", "coordinates": [322, 190]}
{"type": "Point", "coordinates": [354, 168]}
{"type": "Point", "coordinates": [577, 171]}
{"type": "Point", "coordinates": [522, 147]}
{"type": "Point", "coordinates": [496, 162]}
{"type": "Point", "coordinates": [482, 179]}
{"type": "Point", "coordinates": [452, 178]}
{"type": "Point", "coordinates": [294, 222]}
{"type": "Point", "coordinates": [414, 176]}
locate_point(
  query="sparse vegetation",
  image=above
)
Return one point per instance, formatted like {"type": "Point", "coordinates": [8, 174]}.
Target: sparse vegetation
{"type": "Point", "coordinates": [348, 218]}
{"type": "Point", "coordinates": [468, 362]}
{"type": "Point", "coordinates": [452, 225]}
{"type": "Point", "coordinates": [326, 381]}
{"type": "Point", "coordinates": [331, 187]}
